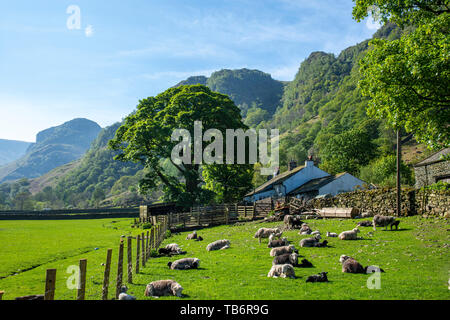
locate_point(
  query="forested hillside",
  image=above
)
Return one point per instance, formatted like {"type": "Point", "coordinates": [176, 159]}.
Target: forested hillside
{"type": "Point", "coordinates": [11, 150]}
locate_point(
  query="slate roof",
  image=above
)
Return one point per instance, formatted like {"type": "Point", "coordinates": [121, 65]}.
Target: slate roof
{"type": "Point", "coordinates": [434, 158]}
{"type": "Point", "coordinates": [276, 180]}
{"type": "Point", "coordinates": [315, 184]}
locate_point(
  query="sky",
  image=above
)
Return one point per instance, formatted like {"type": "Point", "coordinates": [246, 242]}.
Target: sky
{"type": "Point", "coordinates": [61, 60]}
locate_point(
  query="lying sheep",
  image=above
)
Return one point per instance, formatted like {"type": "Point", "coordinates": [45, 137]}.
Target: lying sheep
{"type": "Point", "coordinates": [305, 264]}
{"type": "Point", "coordinates": [292, 222]}
{"type": "Point", "coordinates": [277, 243]}
{"type": "Point", "coordinates": [171, 249]}
{"type": "Point", "coordinates": [366, 223]}
{"type": "Point", "coordinates": [349, 235]}
{"type": "Point", "coordinates": [218, 245]}
{"type": "Point", "coordinates": [310, 242]}
{"type": "Point", "coordinates": [315, 233]}
{"type": "Point", "coordinates": [384, 221]}
{"type": "Point", "coordinates": [321, 245]}
{"type": "Point", "coordinates": [266, 232]}
{"type": "Point", "coordinates": [192, 235]}
{"type": "Point", "coordinates": [282, 250]}
{"type": "Point", "coordinates": [282, 270]}
{"type": "Point", "coordinates": [305, 229]}
{"type": "Point", "coordinates": [286, 258]}
{"type": "Point", "coordinates": [199, 238]}
{"type": "Point", "coordinates": [163, 288]}
{"type": "Point", "coordinates": [350, 265]}
{"type": "Point", "coordinates": [321, 277]}
{"type": "Point", "coordinates": [123, 295]}
{"type": "Point", "coordinates": [184, 264]}
{"type": "Point", "coordinates": [332, 234]}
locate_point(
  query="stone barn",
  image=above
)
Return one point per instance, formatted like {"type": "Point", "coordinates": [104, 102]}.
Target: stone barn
{"type": "Point", "coordinates": [433, 169]}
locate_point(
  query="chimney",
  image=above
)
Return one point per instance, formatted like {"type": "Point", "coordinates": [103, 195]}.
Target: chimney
{"type": "Point", "coordinates": [292, 165]}
{"type": "Point", "coordinates": [309, 162]}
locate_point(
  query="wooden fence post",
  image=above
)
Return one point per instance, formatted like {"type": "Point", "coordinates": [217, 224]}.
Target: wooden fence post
{"type": "Point", "coordinates": [130, 259]}
{"type": "Point", "coordinates": [1, 294]}
{"type": "Point", "coordinates": [106, 275]}
{"type": "Point", "coordinates": [119, 269]}
{"type": "Point", "coordinates": [81, 292]}
{"type": "Point", "coordinates": [138, 244]}
{"type": "Point", "coordinates": [227, 214]}
{"type": "Point", "coordinates": [143, 249]}
{"type": "Point", "coordinates": [50, 280]}
{"type": "Point", "coordinates": [254, 210]}
{"type": "Point", "coordinates": [147, 249]}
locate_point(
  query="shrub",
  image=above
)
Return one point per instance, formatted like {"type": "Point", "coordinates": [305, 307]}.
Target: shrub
{"type": "Point", "coordinates": [383, 171]}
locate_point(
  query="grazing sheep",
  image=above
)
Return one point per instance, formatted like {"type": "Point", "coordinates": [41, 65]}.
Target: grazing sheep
{"type": "Point", "coordinates": [266, 232]}
{"type": "Point", "coordinates": [383, 221]}
{"type": "Point", "coordinates": [292, 222]}
{"type": "Point", "coordinates": [321, 245]}
{"type": "Point", "coordinates": [321, 277]}
{"type": "Point", "coordinates": [310, 242]}
{"type": "Point", "coordinates": [218, 245]}
{"type": "Point", "coordinates": [305, 229]}
{"type": "Point", "coordinates": [349, 235]}
{"type": "Point", "coordinates": [123, 295]}
{"type": "Point", "coordinates": [282, 250]}
{"type": "Point", "coordinates": [305, 264]}
{"type": "Point", "coordinates": [332, 234]}
{"type": "Point", "coordinates": [350, 265]}
{"type": "Point", "coordinates": [277, 243]}
{"type": "Point", "coordinates": [366, 223]}
{"type": "Point", "coordinates": [192, 235]}
{"type": "Point", "coordinates": [163, 288]}
{"type": "Point", "coordinates": [282, 270]}
{"type": "Point", "coordinates": [286, 258]}
{"type": "Point", "coordinates": [184, 264]}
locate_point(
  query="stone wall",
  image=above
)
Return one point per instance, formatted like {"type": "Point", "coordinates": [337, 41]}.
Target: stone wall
{"type": "Point", "coordinates": [425, 174]}
{"type": "Point", "coordinates": [384, 201]}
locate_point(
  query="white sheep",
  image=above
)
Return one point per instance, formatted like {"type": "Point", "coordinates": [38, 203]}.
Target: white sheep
{"type": "Point", "coordinates": [305, 229]}
{"type": "Point", "coordinates": [332, 234]}
{"type": "Point", "coordinates": [310, 242]}
{"type": "Point", "coordinates": [163, 288]}
{"type": "Point", "coordinates": [266, 232]}
{"type": "Point", "coordinates": [282, 250]}
{"type": "Point", "coordinates": [282, 270]}
{"type": "Point", "coordinates": [184, 264]}
{"type": "Point", "coordinates": [123, 295]}
{"type": "Point", "coordinates": [218, 245]}
{"type": "Point", "coordinates": [349, 235]}
{"type": "Point", "coordinates": [317, 232]}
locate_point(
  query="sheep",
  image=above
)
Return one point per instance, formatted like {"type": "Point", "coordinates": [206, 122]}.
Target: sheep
{"type": "Point", "coordinates": [305, 229]}
{"type": "Point", "coordinates": [282, 250]}
{"type": "Point", "coordinates": [286, 258]}
{"type": "Point", "coordinates": [321, 245]}
{"type": "Point", "coordinates": [321, 277]}
{"type": "Point", "coordinates": [266, 232]}
{"type": "Point", "coordinates": [218, 245]}
{"type": "Point", "coordinates": [332, 234]}
{"type": "Point", "coordinates": [366, 223]}
{"type": "Point", "coordinates": [349, 235]}
{"type": "Point", "coordinates": [292, 222]}
{"type": "Point", "coordinates": [199, 238]}
{"type": "Point", "coordinates": [305, 264]}
{"type": "Point", "coordinates": [314, 233]}
{"type": "Point", "coordinates": [192, 235]}
{"type": "Point", "coordinates": [350, 265]}
{"type": "Point", "coordinates": [310, 242]}
{"type": "Point", "coordinates": [277, 243]}
{"type": "Point", "coordinates": [282, 270]}
{"type": "Point", "coordinates": [184, 264]}
{"type": "Point", "coordinates": [123, 294]}
{"type": "Point", "coordinates": [171, 249]}
{"type": "Point", "coordinates": [383, 221]}
{"type": "Point", "coordinates": [163, 288]}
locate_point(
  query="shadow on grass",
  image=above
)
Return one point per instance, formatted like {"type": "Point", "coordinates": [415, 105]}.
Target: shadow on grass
{"type": "Point", "coordinates": [399, 229]}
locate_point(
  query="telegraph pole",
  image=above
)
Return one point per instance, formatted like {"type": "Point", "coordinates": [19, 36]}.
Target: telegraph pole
{"type": "Point", "coordinates": [399, 148]}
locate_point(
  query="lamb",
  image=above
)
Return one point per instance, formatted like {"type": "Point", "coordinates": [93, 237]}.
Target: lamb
{"type": "Point", "coordinates": [305, 264]}
{"type": "Point", "coordinates": [350, 265]}
{"type": "Point", "coordinates": [305, 229]}
{"type": "Point", "coordinates": [277, 243]}
{"type": "Point", "coordinates": [366, 223]}
{"type": "Point", "coordinates": [282, 270]}
{"type": "Point", "coordinates": [184, 264]}
{"type": "Point", "coordinates": [282, 250]}
{"type": "Point", "coordinates": [192, 235]}
{"type": "Point", "coordinates": [266, 232]}
{"type": "Point", "coordinates": [163, 288]}
{"type": "Point", "coordinates": [123, 294]}
{"type": "Point", "coordinates": [332, 234]}
{"type": "Point", "coordinates": [349, 235]}
{"type": "Point", "coordinates": [286, 258]}
{"type": "Point", "coordinates": [218, 245]}
{"type": "Point", "coordinates": [383, 221]}
{"type": "Point", "coordinates": [321, 277]}
{"type": "Point", "coordinates": [199, 238]}
{"type": "Point", "coordinates": [321, 245]}
{"type": "Point", "coordinates": [310, 242]}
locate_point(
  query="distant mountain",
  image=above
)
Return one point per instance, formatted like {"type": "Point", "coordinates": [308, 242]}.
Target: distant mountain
{"type": "Point", "coordinates": [54, 147]}
{"type": "Point", "coordinates": [11, 150]}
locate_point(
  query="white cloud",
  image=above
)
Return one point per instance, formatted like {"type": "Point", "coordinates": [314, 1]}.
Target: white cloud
{"type": "Point", "coordinates": [89, 31]}
{"type": "Point", "coordinates": [371, 24]}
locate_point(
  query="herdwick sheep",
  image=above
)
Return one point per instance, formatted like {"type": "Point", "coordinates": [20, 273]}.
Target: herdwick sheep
{"type": "Point", "coordinates": [192, 235]}
{"type": "Point", "coordinates": [332, 234]}
{"type": "Point", "coordinates": [384, 221]}
{"type": "Point", "coordinates": [184, 264]}
{"type": "Point", "coordinates": [321, 277]}
{"type": "Point", "coordinates": [366, 223]}
{"type": "Point", "coordinates": [321, 245]}
{"type": "Point", "coordinates": [218, 245]}
{"type": "Point", "coordinates": [310, 242]}
{"type": "Point", "coordinates": [174, 248]}
{"type": "Point", "coordinates": [349, 235]}
{"type": "Point", "coordinates": [292, 222]}
{"type": "Point", "coordinates": [305, 229]}
{"type": "Point", "coordinates": [277, 243]}
{"type": "Point", "coordinates": [266, 232]}
{"type": "Point", "coordinates": [163, 288]}
{"type": "Point", "coordinates": [123, 295]}
{"type": "Point", "coordinates": [282, 250]}
{"type": "Point", "coordinates": [286, 258]}
{"type": "Point", "coordinates": [305, 264]}
{"type": "Point", "coordinates": [350, 265]}
{"type": "Point", "coordinates": [282, 270]}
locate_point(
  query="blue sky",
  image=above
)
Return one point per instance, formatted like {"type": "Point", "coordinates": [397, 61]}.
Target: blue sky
{"type": "Point", "coordinates": [128, 50]}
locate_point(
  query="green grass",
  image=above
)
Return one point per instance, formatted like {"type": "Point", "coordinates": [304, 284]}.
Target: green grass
{"type": "Point", "coordinates": [415, 259]}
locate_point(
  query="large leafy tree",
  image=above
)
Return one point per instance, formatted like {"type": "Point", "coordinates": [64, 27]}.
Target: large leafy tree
{"type": "Point", "coordinates": [408, 79]}
{"type": "Point", "coordinates": [145, 137]}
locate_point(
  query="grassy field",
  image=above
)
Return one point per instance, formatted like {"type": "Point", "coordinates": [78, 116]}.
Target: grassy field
{"type": "Point", "coordinates": [415, 259]}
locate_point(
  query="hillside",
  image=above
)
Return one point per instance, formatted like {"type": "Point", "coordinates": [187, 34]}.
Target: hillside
{"type": "Point", "coordinates": [54, 147]}
{"type": "Point", "coordinates": [11, 150]}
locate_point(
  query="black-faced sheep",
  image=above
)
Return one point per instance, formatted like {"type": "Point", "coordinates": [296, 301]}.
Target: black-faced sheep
{"type": "Point", "coordinates": [383, 221]}
{"type": "Point", "coordinates": [349, 235]}
{"type": "Point", "coordinates": [163, 288]}
{"type": "Point", "coordinates": [192, 235]}
{"type": "Point", "coordinates": [282, 250]}
{"type": "Point", "coordinates": [266, 232]}
{"type": "Point", "coordinates": [184, 264]}
{"type": "Point", "coordinates": [286, 258]}
{"type": "Point", "coordinates": [321, 244]}
{"type": "Point", "coordinates": [123, 295]}
{"type": "Point", "coordinates": [310, 242]}
{"type": "Point", "coordinates": [321, 277]}
{"type": "Point", "coordinates": [277, 243]}
{"type": "Point", "coordinates": [199, 238]}
{"type": "Point", "coordinates": [218, 245]}
{"type": "Point", "coordinates": [366, 223]}
{"type": "Point", "coordinates": [282, 270]}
